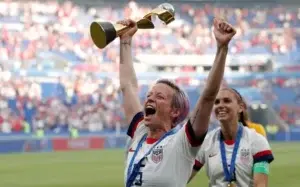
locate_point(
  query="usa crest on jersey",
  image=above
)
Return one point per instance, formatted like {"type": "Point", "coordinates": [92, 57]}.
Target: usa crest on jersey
{"type": "Point", "coordinates": [157, 154]}
{"type": "Point", "coordinates": [245, 155]}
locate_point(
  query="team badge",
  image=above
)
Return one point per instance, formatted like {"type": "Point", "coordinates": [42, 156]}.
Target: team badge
{"type": "Point", "coordinates": [157, 154]}
{"type": "Point", "coordinates": [245, 155]}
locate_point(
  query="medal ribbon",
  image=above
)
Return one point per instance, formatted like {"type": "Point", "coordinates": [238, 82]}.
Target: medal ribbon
{"type": "Point", "coordinates": [132, 173]}
{"type": "Point", "coordinates": [229, 174]}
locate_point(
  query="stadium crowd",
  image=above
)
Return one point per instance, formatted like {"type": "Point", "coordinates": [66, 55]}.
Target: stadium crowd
{"type": "Point", "coordinates": [81, 104]}
{"type": "Point", "coordinates": [88, 105]}
{"type": "Point", "coordinates": [31, 29]}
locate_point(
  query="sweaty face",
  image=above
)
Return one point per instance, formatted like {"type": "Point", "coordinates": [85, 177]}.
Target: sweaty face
{"type": "Point", "coordinates": [227, 106]}
{"type": "Point", "coordinates": [157, 108]}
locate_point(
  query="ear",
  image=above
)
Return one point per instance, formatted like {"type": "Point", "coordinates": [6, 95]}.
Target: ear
{"type": "Point", "coordinates": [175, 112]}
{"type": "Point", "coordinates": [241, 107]}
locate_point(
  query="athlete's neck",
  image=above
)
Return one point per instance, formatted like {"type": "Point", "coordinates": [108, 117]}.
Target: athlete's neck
{"type": "Point", "coordinates": [229, 130]}
{"type": "Point", "coordinates": [156, 133]}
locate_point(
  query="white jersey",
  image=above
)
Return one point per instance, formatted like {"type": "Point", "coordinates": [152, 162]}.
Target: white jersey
{"type": "Point", "coordinates": [171, 161]}
{"type": "Point", "coordinates": [253, 148]}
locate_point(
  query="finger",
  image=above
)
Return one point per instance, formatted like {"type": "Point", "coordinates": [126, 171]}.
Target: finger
{"type": "Point", "coordinates": [229, 29]}
{"type": "Point", "coordinates": [132, 23]}
{"type": "Point", "coordinates": [216, 23]}
{"type": "Point", "coordinates": [233, 31]}
{"type": "Point", "coordinates": [222, 26]}
{"type": "Point", "coordinates": [226, 28]}
{"type": "Point", "coordinates": [123, 22]}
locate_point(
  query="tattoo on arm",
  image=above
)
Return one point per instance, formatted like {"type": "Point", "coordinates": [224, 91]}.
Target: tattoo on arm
{"type": "Point", "coordinates": [125, 43]}
{"type": "Point", "coordinates": [194, 119]}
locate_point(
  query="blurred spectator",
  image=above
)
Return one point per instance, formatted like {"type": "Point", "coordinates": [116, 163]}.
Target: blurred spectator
{"type": "Point", "coordinates": [42, 36]}
{"type": "Point", "coordinates": [36, 32]}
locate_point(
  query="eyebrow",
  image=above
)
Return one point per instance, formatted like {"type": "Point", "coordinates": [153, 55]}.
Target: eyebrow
{"type": "Point", "coordinates": [223, 98]}
{"type": "Point", "coordinates": [157, 93]}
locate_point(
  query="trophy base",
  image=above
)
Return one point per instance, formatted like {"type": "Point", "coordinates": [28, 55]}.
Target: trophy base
{"type": "Point", "coordinates": [102, 33]}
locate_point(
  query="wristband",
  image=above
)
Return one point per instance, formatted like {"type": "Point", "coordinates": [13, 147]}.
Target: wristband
{"type": "Point", "coordinates": [261, 167]}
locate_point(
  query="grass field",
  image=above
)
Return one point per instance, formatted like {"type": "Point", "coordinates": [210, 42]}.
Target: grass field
{"type": "Point", "coordinates": [105, 169]}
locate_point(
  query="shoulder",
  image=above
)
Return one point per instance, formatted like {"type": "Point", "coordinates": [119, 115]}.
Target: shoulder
{"type": "Point", "coordinates": [136, 126]}
{"type": "Point", "coordinates": [259, 146]}
{"type": "Point", "coordinates": [257, 141]}
{"type": "Point", "coordinates": [252, 133]}
{"type": "Point", "coordinates": [213, 132]}
{"type": "Point", "coordinates": [212, 136]}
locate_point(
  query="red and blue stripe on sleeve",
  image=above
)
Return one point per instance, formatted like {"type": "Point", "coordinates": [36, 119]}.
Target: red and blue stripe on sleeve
{"type": "Point", "coordinates": [197, 165]}
{"type": "Point", "coordinates": [263, 156]}
{"type": "Point", "coordinates": [134, 123]}
{"type": "Point", "coordinates": [193, 139]}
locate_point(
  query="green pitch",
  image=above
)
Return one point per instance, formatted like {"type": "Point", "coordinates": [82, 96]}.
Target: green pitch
{"type": "Point", "coordinates": [105, 169]}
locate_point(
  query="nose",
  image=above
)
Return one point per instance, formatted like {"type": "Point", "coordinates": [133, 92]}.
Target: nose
{"type": "Point", "coordinates": [219, 106]}
{"type": "Point", "coordinates": [150, 99]}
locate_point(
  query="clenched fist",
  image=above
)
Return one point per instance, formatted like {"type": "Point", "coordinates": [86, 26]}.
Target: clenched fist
{"type": "Point", "coordinates": [127, 34]}
{"type": "Point", "coordinates": [223, 32]}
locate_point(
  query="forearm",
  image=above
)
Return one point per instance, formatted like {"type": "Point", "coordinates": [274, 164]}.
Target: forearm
{"type": "Point", "coordinates": [216, 74]}
{"type": "Point", "coordinates": [261, 172]}
{"type": "Point", "coordinates": [128, 82]}
{"type": "Point", "coordinates": [201, 115]}
{"type": "Point", "coordinates": [126, 70]}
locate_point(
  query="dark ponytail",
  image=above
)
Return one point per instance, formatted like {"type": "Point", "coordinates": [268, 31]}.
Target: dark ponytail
{"type": "Point", "coordinates": [242, 119]}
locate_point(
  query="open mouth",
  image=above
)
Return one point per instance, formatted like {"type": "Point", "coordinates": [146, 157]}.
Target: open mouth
{"type": "Point", "coordinates": [222, 113]}
{"type": "Point", "coordinates": [149, 110]}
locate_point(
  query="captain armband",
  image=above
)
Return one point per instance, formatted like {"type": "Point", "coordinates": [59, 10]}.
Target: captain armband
{"type": "Point", "coordinates": [261, 167]}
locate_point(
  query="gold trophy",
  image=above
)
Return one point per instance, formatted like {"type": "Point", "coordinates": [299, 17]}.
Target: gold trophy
{"type": "Point", "coordinates": [103, 33]}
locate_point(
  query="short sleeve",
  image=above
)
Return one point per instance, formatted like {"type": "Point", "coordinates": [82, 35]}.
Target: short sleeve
{"type": "Point", "coordinates": [200, 159]}
{"type": "Point", "coordinates": [261, 149]}
{"type": "Point", "coordinates": [136, 125]}
{"type": "Point", "coordinates": [187, 142]}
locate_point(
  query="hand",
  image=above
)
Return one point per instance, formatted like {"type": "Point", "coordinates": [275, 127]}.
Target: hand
{"type": "Point", "coordinates": [223, 32]}
{"type": "Point", "coordinates": [127, 34]}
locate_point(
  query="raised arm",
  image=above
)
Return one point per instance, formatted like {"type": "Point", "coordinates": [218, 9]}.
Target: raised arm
{"type": "Point", "coordinates": [200, 117]}
{"type": "Point", "coordinates": [127, 76]}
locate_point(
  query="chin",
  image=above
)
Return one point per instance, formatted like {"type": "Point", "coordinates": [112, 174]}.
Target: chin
{"type": "Point", "coordinates": [223, 120]}
{"type": "Point", "coordinates": [148, 122]}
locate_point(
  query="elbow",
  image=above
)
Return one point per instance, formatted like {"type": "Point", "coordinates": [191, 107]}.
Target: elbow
{"type": "Point", "coordinates": [210, 94]}
{"type": "Point", "coordinates": [260, 183]}
{"type": "Point", "coordinates": [209, 97]}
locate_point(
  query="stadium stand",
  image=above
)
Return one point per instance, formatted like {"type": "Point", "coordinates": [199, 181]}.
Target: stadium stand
{"type": "Point", "coordinates": [53, 77]}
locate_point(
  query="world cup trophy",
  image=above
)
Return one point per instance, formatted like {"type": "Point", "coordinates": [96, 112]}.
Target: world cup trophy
{"type": "Point", "coordinates": [103, 33]}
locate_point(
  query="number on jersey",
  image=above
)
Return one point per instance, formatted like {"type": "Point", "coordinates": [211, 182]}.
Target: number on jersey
{"type": "Point", "coordinates": [139, 178]}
